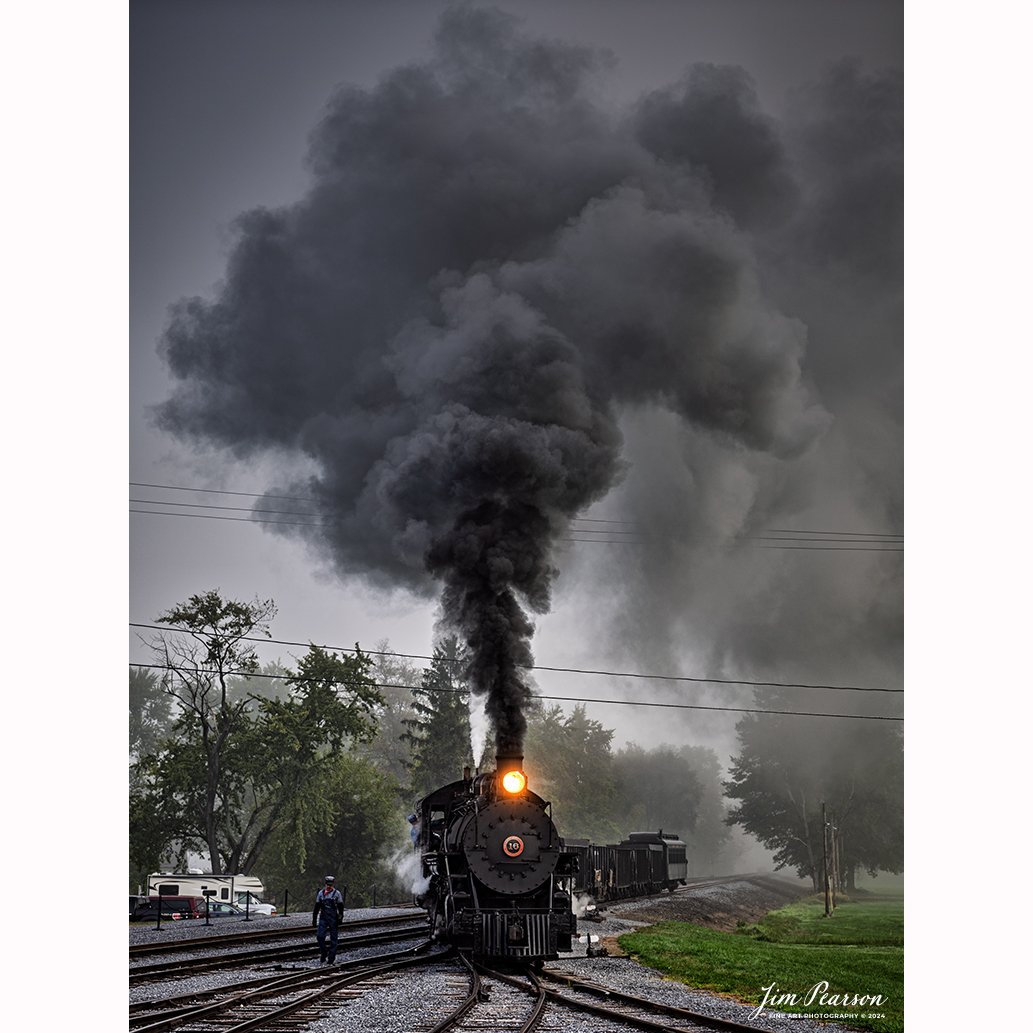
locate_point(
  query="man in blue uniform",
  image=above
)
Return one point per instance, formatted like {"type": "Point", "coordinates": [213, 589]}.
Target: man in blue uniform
{"type": "Point", "coordinates": [329, 910]}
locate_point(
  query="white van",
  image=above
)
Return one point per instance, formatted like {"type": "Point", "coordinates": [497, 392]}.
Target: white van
{"type": "Point", "coordinates": [250, 903]}
{"type": "Point", "coordinates": [243, 890]}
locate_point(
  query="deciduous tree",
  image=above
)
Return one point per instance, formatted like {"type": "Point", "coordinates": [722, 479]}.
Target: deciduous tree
{"type": "Point", "coordinates": [659, 790]}
{"type": "Point", "coordinates": [708, 844]}
{"type": "Point", "coordinates": [237, 767]}
{"type": "Point", "coordinates": [296, 741]}
{"type": "Point", "coordinates": [784, 772]}
{"type": "Point", "coordinates": [150, 711]}
{"type": "Point", "coordinates": [351, 835]}
{"type": "Point", "coordinates": [568, 761]}
{"type": "Point", "coordinates": [209, 646]}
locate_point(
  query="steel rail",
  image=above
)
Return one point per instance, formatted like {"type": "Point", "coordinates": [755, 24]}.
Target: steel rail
{"type": "Point", "coordinates": [476, 994]}
{"type": "Point", "coordinates": [588, 986]}
{"type": "Point", "coordinates": [315, 995]}
{"type": "Point", "coordinates": [170, 969]}
{"type": "Point", "coordinates": [187, 942]}
{"type": "Point", "coordinates": [167, 1005]}
{"type": "Point", "coordinates": [538, 1011]}
{"type": "Point", "coordinates": [165, 1008]}
{"type": "Point", "coordinates": [613, 1015]}
{"type": "Point", "coordinates": [335, 978]}
{"type": "Point", "coordinates": [698, 883]}
{"type": "Point", "coordinates": [173, 1017]}
{"type": "Point", "coordinates": [479, 995]}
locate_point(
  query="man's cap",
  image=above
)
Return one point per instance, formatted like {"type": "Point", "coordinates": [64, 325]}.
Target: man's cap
{"type": "Point", "coordinates": [412, 817]}
{"type": "Point", "coordinates": [329, 878]}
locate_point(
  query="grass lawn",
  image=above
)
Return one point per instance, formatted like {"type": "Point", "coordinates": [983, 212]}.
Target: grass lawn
{"type": "Point", "coordinates": [859, 952]}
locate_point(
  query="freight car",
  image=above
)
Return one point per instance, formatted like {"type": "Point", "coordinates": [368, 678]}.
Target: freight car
{"type": "Point", "coordinates": [644, 863]}
{"type": "Point", "coordinates": [497, 879]}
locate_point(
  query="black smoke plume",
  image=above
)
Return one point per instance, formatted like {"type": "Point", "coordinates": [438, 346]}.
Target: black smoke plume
{"type": "Point", "coordinates": [486, 273]}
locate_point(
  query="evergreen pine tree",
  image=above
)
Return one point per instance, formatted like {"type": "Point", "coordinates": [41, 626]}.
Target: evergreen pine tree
{"type": "Point", "coordinates": [439, 735]}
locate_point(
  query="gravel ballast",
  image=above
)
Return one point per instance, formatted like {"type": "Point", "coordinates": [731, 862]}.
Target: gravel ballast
{"type": "Point", "coordinates": [414, 998]}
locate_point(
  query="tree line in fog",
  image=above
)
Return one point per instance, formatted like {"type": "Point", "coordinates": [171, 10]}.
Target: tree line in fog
{"type": "Point", "coordinates": [289, 773]}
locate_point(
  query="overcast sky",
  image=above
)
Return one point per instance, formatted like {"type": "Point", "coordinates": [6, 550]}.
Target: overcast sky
{"type": "Point", "coordinates": [223, 98]}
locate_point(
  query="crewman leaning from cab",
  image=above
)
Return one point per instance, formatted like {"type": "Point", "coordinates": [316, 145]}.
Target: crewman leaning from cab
{"type": "Point", "coordinates": [329, 910]}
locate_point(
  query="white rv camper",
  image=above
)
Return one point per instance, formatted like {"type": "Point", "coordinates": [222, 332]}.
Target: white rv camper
{"type": "Point", "coordinates": [243, 890]}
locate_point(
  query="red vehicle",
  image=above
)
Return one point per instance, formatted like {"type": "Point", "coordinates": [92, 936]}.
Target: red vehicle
{"type": "Point", "coordinates": [175, 908]}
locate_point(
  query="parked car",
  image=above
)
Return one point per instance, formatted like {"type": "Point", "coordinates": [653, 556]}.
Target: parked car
{"type": "Point", "coordinates": [174, 908]}
{"type": "Point", "coordinates": [220, 909]}
{"type": "Point", "coordinates": [251, 903]}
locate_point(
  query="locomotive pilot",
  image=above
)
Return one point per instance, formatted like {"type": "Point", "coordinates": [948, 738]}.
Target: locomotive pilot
{"type": "Point", "coordinates": [329, 910]}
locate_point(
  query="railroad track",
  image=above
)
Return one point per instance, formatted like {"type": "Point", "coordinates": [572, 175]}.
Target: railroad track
{"type": "Point", "coordinates": [582, 995]}
{"type": "Point", "coordinates": [523, 1001]}
{"type": "Point", "coordinates": [501, 1009]}
{"type": "Point", "coordinates": [279, 954]}
{"type": "Point", "coordinates": [262, 935]}
{"type": "Point", "coordinates": [465, 996]}
{"type": "Point", "coordinates": [724, 880]}
{"type": "Point", "coordinates": [451, 993]}
{"type": "Point", "coordinates": [601, 911]}
{"type": "Point", "coordinates": [304, 996]}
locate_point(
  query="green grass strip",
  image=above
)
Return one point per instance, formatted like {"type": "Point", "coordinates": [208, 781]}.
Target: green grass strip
{"type": "Point", "coordinates": [800, 960]}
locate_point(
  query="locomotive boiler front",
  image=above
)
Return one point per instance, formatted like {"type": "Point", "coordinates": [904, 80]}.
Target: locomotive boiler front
{"type": "Point", "coordinates": [511, 845]}
{"type": "Point", "coordinates": [498, 878]}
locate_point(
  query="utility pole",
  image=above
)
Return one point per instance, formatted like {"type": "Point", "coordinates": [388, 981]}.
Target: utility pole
{"type": "Point", "coordinates": [825, 861]}
{"type": "Point", "coordinates": [837, 873]}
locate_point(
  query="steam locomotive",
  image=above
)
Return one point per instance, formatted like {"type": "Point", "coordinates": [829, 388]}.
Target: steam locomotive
{"type": "Point", "coordinates": [498, 878]}
{"type": "Point", "coordinates": [498, 881]}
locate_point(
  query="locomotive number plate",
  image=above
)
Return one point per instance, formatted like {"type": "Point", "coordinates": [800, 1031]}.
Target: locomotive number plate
{"type": "Point", "coordinates": [513, 846]}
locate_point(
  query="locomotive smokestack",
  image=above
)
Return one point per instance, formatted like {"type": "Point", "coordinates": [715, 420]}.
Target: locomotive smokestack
{"type": "Point", "coordinates": [510, 771]}
{"type": "Point", "coordinates": [506, 761]}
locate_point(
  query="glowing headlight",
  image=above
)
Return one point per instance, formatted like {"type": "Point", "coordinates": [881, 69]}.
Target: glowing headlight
{"type": "Point", "coordinates": [514, 781]}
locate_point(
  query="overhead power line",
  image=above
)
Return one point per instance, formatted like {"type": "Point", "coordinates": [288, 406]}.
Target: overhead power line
{"type": "Point", "coordinates": [584, 541]}
{"type": "Point", "coordinates": [584, 520]}
{"type": "Point", "coordinates": [586, 699]}
{"type": "Point", "coordinates": [798, 540]}
{"type": "Point", "coordinates": [220, 491]}
{"type": "Point", "coordinates": [540, 667]}
{"type": "Point", "coordinates": [233, 509]}
{"type": "Point", "coordinates": [240, 520]}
